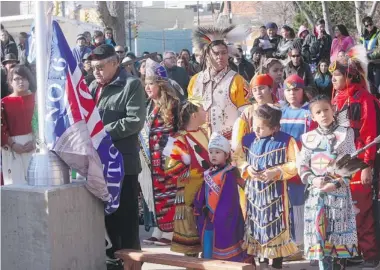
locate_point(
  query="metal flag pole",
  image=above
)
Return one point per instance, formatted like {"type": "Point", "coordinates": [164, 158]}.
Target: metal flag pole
{"type": "Point", "coordinates": [45, 167]}
{"type": "Point", "coordinates": [41, 62]}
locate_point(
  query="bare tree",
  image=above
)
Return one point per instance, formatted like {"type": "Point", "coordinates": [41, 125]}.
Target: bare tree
{"type": "Point", "coordinates": [373, 9]}
{"type": "Point", "coordinates": [358, 15]}
{"type": "Point", "coordinates": [326, 17]}
{"type": "Point", "coordinates": [305, 13]}
{"type": "Point", "coordinates": [112, 15]}
{"type": "Point", "coordinates": [312, 11]}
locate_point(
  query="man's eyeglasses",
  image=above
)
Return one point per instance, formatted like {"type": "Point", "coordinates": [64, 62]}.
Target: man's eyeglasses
{"type": "Point", "coordinates": [295, 55]}
{"type": "Point", "coordinates": [368, 25]}
{"type": "Point", "coordinates": [119, 52]}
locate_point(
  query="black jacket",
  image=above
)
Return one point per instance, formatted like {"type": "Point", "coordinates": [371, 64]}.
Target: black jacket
{"type": "Point", "coordinates": [122, 108]}
{"type": "Point", "coordinates": [180, 75]}
{"type": "Point", "coordinates": [245, 69]}
{"type": "Point", "coordinates": [10, 47]}
{"type": "Point", "coordinates": [4, 84]}
{"type": "Point", "coordinates": [302, 70]}
{"type": "Point", "coordinates": [314, 49]}
{"type": "Point", "coordinates": [283, 48]}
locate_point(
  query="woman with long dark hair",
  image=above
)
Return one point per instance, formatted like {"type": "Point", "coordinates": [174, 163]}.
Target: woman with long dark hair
{"type": "Point", "coordinates": [361, 110]}
{"type": "Point", "coordinates": [285, 43]}
{"type": "Point", "coordinates": [342, 41]}
{"type": "Point", "coordinates": [322, 79]}
{"type": "Point", "coordinates": [161, 123]}
{"type": "Point", "coordinates": [184, 63]}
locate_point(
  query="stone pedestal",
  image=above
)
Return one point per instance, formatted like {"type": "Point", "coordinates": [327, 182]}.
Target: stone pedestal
{"type": "Point", "coordinates": [51, 228]}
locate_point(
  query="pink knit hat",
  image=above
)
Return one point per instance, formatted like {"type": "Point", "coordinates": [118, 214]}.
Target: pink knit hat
{"type": "Point", "coordinates": [302, 29]}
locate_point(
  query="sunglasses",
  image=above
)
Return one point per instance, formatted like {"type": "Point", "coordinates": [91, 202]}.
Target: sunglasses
{"type": "Point", "coordinates": [119, 52]}
{"type": "Point", "coordinates": [368, 25]}
{"type": "Point", "coordinates": [295, 55]}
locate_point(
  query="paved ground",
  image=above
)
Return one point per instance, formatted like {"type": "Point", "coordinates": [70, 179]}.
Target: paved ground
{"type": "Point", "coordinates": [298, 265]}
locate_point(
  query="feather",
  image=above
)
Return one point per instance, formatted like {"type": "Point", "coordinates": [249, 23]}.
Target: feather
{"type": "Point", "coordinates": [204, 35]}
{"type": "Point", "coordinates": [350, 167]}
{"type": "Point", "coordinates": [358, 60]}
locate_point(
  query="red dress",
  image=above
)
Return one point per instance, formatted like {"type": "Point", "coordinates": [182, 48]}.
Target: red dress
{"type": "Point", "coordinates": [362, 112]}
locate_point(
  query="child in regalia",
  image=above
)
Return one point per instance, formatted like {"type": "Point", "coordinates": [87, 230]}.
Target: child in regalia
{"type": "Point", "coordinates": [267, 159]}
{"type": "Point", "coordinates": [296, 120]}
{"type": "Point", "coordinates": [187, 159]}
{"type": "Point", "coordinates": [330, 228]}
{"type": "Point", "coordinates": [217, 208]}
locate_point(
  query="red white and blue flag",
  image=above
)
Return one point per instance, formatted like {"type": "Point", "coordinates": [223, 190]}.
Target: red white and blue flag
{"type": "Point", "coordinates": [73, 127]}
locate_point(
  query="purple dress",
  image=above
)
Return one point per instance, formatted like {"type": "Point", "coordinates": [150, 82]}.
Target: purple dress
{"type": "Point", "coordinates": [220, 221]}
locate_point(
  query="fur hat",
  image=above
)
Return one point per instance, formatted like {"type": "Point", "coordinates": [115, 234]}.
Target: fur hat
{"type": "Point", "coordinates": [218, 141]}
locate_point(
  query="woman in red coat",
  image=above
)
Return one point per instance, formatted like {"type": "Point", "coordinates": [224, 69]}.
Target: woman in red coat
{"type": "Point", "coordinates": [349, 81]}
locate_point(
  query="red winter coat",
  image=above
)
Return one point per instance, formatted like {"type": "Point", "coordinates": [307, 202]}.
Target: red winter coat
{"type": "Point", "coordinates": [362, 113]}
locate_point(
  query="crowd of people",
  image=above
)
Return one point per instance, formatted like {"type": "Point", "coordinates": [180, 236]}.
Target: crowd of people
{"type": "Point", "coordinates": [234, 157]}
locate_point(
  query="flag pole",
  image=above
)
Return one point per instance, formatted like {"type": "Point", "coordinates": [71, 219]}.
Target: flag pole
{"type": "Point", "coordinates": [41, 63]}
{"type": "Point", "coordinates": [45, 167]}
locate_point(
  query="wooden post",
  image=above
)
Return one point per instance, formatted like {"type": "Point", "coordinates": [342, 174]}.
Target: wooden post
{"type": "Point", "coordinates": [132, 265]}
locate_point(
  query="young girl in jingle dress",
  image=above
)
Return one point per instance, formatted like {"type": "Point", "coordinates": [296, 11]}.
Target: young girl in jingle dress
{"type": "Point", "coordinates": [330, 227]}
{"type": "Point", "coordinates": [267, 160]}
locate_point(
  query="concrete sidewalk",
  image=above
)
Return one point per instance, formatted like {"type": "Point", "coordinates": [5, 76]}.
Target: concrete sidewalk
{"type": "Point", "coordinates": [297, 265]}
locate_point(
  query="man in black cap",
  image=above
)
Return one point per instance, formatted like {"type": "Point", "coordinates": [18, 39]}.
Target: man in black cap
{"type": "Point", "coordinates": [80, 49]}
{"type": "Point", "coordinates": [121, 100]}
{"type": "Point", "coordinates": [10, 60]}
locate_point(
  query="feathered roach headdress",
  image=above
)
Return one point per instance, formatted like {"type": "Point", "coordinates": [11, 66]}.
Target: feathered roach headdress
{"type": "Point", "coordinates": [354, 64]}
{"type": "Point", "coordinates": [204, 36]}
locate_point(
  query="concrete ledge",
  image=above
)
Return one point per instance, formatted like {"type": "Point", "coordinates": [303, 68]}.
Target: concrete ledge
{"type": "Point", "coordinates": [53, 228]}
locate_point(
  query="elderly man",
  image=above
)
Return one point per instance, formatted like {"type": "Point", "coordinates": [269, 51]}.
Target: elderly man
{"type": "Point", "coordinates": [176, 73]}
{"type": "Point", "coordinates": [121, 100]}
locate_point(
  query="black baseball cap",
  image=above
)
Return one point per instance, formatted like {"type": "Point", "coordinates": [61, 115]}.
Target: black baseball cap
{"type": "Point", "coordinates": [86, 56]}
{"type": "Point", "coordinates": [102, 52]}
